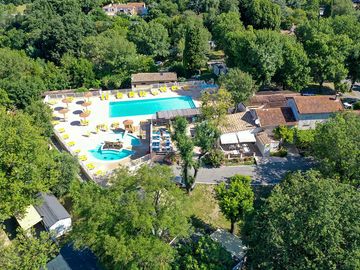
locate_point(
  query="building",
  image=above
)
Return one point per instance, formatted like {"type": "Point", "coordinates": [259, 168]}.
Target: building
{"type": "Point", "coordinates": [266, 143]}
{"type": "Point", "coordinates": [271, 99]}
{"type": "Point", "coordinates": [72, 259]}
{"type": "Point", "coordinates": [219, 69]}
{"type": "Point", "coordinates": [310, 110]}
{"type": "Point", "coordinates": [147, 80]}
{"type": "Point", "coordinates": [131, 8]}
{"type": "Point", "coordinates": [232, 244]}
{"type": "Point", "coordinates": [54, 216]}
{"type": "Point", "coordinates": [271, 118]}
{"type": "Point", "coordinates": [30, 218]}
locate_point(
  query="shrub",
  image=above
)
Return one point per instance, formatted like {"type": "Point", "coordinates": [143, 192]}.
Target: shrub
{"type": "Point", "coordinates": [281, 153]}
{"type": "Point", "coordinates": [356, 105]}
{"type": "Point", "coordinates": [81, 90]}
{"type": "Point", "coordinates": [214, 158]}
{"type": "Point", "coordinates": [285, 133]}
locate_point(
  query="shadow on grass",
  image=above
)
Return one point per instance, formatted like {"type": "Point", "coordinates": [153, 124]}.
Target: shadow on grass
{"type": "Point", "coordinates": [201, 226]}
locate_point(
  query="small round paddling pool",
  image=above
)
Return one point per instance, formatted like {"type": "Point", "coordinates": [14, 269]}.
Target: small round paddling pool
{"type": "Point", "coordinates": [110, 155]}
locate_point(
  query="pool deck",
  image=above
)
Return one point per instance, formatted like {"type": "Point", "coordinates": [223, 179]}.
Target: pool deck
{"type": "Point", "coordinates": [100, 115]}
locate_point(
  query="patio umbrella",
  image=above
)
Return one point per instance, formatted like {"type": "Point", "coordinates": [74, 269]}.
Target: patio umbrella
{"type": "Point", "coordinates": [86, 104]}
{"type": "Point", "coordinates": [128, 124]}
{"type": "Point", "coordinates": [67, 101]}
{"type": "Point", "coordinates": [64, 112]}
{"type": "Point", "coordinates": [85, 114]}
{"type": "Point", "coordinates": [88, 95]}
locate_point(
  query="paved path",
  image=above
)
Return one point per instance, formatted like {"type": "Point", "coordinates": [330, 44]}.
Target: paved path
{"type": "Point", "coordinates": [269, 171]}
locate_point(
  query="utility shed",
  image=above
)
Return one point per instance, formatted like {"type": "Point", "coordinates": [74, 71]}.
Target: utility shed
{"type": "Point", "coordinates": [29, 219]}
{"type": "Point", "coordinates": [55, 217]}
{"type": "Point", "coordinates": [144, 80]}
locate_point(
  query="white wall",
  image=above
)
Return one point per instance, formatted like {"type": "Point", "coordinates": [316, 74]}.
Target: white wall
{"type": "Point", "coordinates": [61, 227]}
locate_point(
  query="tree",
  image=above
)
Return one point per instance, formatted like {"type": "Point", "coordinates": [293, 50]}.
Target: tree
{"type": "Point", "coordinates": [20, 77]}
{"type": "Point", "coordinates": [235, 199]}
{"type": "Point", "coordinates": [341, 7]}
{"type": "Point", "coordinates": [41, 116]}
{"type": "Point", "coordinates": [150, 38]}
{"type": "Point", "coordinates": [27, 251]}
{"type": "Point", "coordinates": [295, 72]}
{"type": "Point", "coordinates": [114, 57]}
{"type": "Point", "coordinates": [327, 54]}
{"type": "Point", "coordinates": [26, 164]}
{"type": "Point", "coordinates": [353, 64]}
{"type": "Point", "coordinates": [144, 212]}
{"type": "Point", "coordinates": [336, 147]}
{"type": "Point", "coordinates": [79, 71]}
{"type": "Point", "coordinates": [284, 133]}
{"type": "Point", "coordinates": [215, 106]}
{"type": "Point", "coordinates": [203, 253]}
{"type": "Point", "coordinates": [308, 222]}
{"type": "Point", "coordinates": [261, 13]}
{"type": "Point", "coordinates": [196, 48]}
{"type": "Point", "coordinates": [240, 84]}
{"type": "Point", "coordinates": [206, 136]}
{"type": "Point", "coordinates": [185, 147]}
{"type": "Point", "coordinates": [68, 168]}
{"type": "Point", "coordinates": [4, 99]}
{"type": "Point", "coordinates": [55, 27]}
{"type": "Point", "coordinates": [259, 53]}
{"type": "Point", "coordinates": [224, 24]}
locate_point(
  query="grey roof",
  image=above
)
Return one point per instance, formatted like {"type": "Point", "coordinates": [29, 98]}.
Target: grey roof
{"type": "Point", "coordinates": [230, 242]}
{"type": "Point", "coordinates": [154, 77]}
{"type": "Point", "coordinates": [51, 210]}
{"type": "Point", "coordinates": [173, 113]}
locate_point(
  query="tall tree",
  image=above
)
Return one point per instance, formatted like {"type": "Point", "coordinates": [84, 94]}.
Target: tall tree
{"type": "Point", "coordinates": [186, 149]}
{"type": "Point", "coordinates": [224, 24]}
{"type": "Point", "coordinates": [308, 222]}
{"type": "Point", "coordinates": [150, 38]}
{"type": "Point", "coordinates": [261, 13]}
{"type": "Point", "coordinates": [20, 77]}
{"type": "Point", "coordinates": [353, 64]}
{"type": "Point", "coordinates": [206, 136]}
{"type": "Point", "coordinates": [295, 72]}
{"type": "Point", "coordinates": [235, 199]}
{"type": "Point", "coordinates": [28, 251]}
{"type": "Point", "coordinates": [215, 106]}
{"type": "Point", "coordinates": [336, 146]}
{"type": "Point", "coordinates": [144, 212]}
{"type": "Point", "coordinates": [240, 84]}
{"type": "Point", "coordinates": [26, 164]}
{"type": "Point", "coordinates": [41, 115]}
{"type": "Point", "coordinates": [196, 48]}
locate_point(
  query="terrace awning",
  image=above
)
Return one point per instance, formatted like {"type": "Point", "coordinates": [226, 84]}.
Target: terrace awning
{"type": "Point", "coordinates": [229, 138]}
{"type": "Point", "coordinates": [170, 114]}
{"type": "Point", "coordinates": [246, 137]}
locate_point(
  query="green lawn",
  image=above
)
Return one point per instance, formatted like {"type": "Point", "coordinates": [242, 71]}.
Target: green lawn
{"type": "Point", "coordinates": [204, 206]}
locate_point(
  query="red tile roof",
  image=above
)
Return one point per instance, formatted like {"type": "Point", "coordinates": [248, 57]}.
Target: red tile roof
{"type": "Point", "coordinates": [275, 116]}
{"type": "Point", "coordinates": [317, 104]}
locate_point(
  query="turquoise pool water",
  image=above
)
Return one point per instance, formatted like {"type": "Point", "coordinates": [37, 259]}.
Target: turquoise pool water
{"type": "Point", "coordinates": [149, 106]}
{"type": "Point", "coordinates": [110, 155]}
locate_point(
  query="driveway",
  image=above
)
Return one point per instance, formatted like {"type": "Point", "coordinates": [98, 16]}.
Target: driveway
{"type": "Point", "coordinates": [269, 171]}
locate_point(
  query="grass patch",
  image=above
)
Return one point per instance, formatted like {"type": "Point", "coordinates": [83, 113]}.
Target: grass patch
{"type": "Point", "coordinates": [204, 207]}
{"type": "Point", "coordinates": [235, 162]}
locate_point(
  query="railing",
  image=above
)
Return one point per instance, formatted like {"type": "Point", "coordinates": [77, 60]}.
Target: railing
{"type": "Point", "coordinates": [58, 94]}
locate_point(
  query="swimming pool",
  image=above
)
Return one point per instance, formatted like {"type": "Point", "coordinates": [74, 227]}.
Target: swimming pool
{"type": "Point", "coordinates": [149, 106]}
{"type": "Point", "coordinates": [110, 155]}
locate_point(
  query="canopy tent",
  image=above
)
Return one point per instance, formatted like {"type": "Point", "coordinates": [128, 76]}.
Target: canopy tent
{"type": "Point", "coordinates": [30, 218]}
{"type": "Point", "coordinates": [229, 138]}
{"type": "Point", "coordinates": [246, 137]}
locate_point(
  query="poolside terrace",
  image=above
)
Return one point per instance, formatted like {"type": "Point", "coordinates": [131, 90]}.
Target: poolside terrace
{"type": "Point", "coordinates": [82, 123]}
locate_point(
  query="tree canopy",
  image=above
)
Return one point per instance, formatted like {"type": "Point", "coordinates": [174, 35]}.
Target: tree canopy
{"type": "Point", "coordinates": [130, 224]}
{"type": "Point", "coordinates": [308, 222]}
